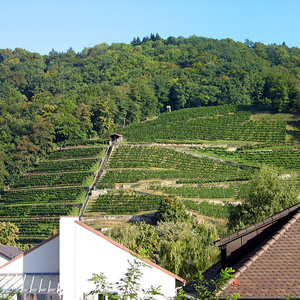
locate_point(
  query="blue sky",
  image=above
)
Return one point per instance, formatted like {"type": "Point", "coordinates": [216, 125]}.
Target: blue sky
{"type": "Point", "coordinates": [43, 25]}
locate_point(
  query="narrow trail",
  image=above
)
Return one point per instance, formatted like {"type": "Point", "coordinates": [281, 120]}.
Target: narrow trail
{"type": "Point", "coordinates": [98, 175]}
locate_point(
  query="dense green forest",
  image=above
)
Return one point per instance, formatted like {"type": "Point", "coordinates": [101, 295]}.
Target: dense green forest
{"type": "Point", "coordinates": [50, 99]}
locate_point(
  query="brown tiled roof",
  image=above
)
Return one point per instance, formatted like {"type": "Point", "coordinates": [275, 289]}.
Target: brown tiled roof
{"type": "Point", "coordinates": [268, 267]}
{"type": "Point", "coordinates": [271, 269]}
{"type": "Point", "coordinates": [258, 225]}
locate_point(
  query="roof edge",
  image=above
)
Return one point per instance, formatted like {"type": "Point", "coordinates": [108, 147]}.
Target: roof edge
{"type": "Point", "coordinates": [262, 249]}
{"type": "Point", "coordinates": [129, 251]}
{"type": "Point", "coordinates": [30, 250]}
{"type": "Point", "coordinates": [258, 225]}
{"type": "Point", "coordinates": [6, 256]}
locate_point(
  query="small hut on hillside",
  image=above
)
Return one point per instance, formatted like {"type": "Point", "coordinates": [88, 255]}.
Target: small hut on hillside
{"type": "Point", "coordinates": [116, 138]}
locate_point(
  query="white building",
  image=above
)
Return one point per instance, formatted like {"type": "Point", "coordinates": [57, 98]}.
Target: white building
{"type": "Point", "coordinates": [60, 267]}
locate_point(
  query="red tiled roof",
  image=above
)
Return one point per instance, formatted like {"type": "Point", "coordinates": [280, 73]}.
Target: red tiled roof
{"type": "Point", "coordinates": [272, 269]}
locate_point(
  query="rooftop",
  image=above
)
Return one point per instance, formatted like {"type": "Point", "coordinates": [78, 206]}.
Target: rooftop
{"type": "Point", "coordinates": [9, 252]}
{"type": "Point", "coordinates": [265, 256]}
{"type": "Point", "coordinates": [273, 268]}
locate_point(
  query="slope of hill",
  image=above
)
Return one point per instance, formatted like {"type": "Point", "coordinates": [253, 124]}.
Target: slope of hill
{"type": "Point", "coordinates": [205, 176]}
{"type": "Point", "coordinates": [68, 96]}
{"type": "Point", "coordinates": [55, 187]}
{"type": "Point", "coordinates": [227, 123]}
{"type": "Point", "coordinates": [206, 171]}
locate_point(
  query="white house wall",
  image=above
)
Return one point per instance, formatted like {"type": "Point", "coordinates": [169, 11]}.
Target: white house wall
{"type": "Point", "coordinates": [42, 259]}
{"type": "Point", "coordinates": [3, 260]}
{"type": "Point", "coordinates": [94, 254]}
{"type": "Point", "coordinates": [67, 264]}
{"type": "Point", "coordinates": [14, 266]}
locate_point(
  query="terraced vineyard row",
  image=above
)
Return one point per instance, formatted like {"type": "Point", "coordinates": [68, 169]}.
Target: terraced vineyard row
{"type": "Point", "coordinates": [43, 196]}
{"type": "Point", "coordinates": [199, 192]}
{"type": "Point", "coordinates": [219, 211]}
{"type": "Point", "coordinates": [118, 204]}
{"type": "Point", "coordinates": [52, 180]}
{"type": "Point", "coordinates": [284, 159]}
{"type": "Point", "coordinates": [76, 153]}
{"type": "Point", "coordinates": [42, 210]}
{"type": "Point", "coordinates": [39, 227]}
{"type": "Point", "coordinates": [210, 192]}
{"type": "Point", "coordinates": [53, 166]}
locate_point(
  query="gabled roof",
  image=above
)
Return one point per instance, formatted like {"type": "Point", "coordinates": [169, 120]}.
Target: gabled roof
{"type": "Point", "coordinates": [107, 239]}
{"type": "Point", "coordinates": [258, 226]}
{"type": "Point", "coordinates": [30, 250]}
{"type": "Point", "coordinates": [265, 256]}
{"type": "Point", "coordinates": [273, 268]}
{"type": "Point", "coordinates": [9, 252]}
{"type": "Point", "coordinates": [129, 251]}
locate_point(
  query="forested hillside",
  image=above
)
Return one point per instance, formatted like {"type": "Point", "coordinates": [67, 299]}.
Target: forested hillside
{"type": "Point", "coordinates": [60, 97]}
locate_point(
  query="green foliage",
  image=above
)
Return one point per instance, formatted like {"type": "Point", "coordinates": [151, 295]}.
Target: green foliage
{"type": "Point", "coordinates": [208, 209]}
{"type": "Point", "coordinates": [8, 233]}
{"type": "Point", "coordinates": [129, 286]}
{"type": "Point", "coordinates": [209, 289]}
{"type": "Point", "coordinates": [62, 96]}
{"type": "Point", "coordinates": [102, 287]}
{"type": "Point", "coordinates": [181, 247]}
{"type": "Point", "coordinates": [8, 296]}
{"type": "Point", "coordinates": [268, 195]}
{"type": "Point", "coordinates": [172, 209]}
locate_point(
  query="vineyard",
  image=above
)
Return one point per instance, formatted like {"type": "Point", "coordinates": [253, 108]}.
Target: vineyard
{"type": "Point", "coordinates": [197, 174]}
{"type": "Point", "coordinates": [119, 204]}
{"type": "Point", "coordinates": [52, 180]}
{"type": "Point", "coordinates": [219, 211]}
{"type": "Point", "coordinates": [134, 163]}
{"type": "Point", "coordinates": [55, 187]}
{"type": "Point", "coordinates": [199, 192]}
{"type": "Point", "coordinates": [144, 169]}
{"type": "Point", "coordinates": [57, 195]}
{"type": "Point", "coordinates": [138, 175]}
{"type": "Point", "coordinates": [207, 123]}
{"type": "Point", "coordinates": [285, 159]}
{"type": "Point", "coordinates": [53, 166]}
